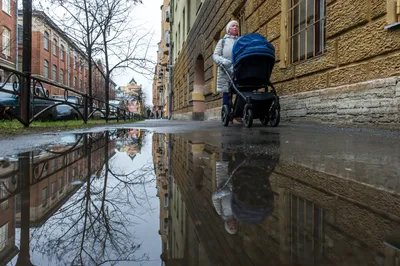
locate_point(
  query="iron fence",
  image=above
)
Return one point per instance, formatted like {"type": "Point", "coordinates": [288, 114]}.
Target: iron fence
{"type": "Point", "coordinates": [41, 105]}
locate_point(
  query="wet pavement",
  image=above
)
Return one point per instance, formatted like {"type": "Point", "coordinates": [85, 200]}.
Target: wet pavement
{"type": "Point", "coordinates": [178, 193]}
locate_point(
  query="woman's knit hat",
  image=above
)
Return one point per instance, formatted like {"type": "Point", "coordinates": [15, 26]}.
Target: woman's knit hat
{"type": "Point", "coordinates": [230, 24]}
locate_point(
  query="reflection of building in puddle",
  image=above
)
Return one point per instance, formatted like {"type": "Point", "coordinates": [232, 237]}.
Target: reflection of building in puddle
{"type": "Point", "coordinates": [316, 218]}
{"type": "Point", "coordinates": [51, 174]}
{"type": "Point", "coordinates": [130, 142]}
{"type": "Point", "coordinates": [54, 173]}
{"type": "Point", "coordinates": [159, 152]}
{"type": "Point", "coordinates": [8, 172]}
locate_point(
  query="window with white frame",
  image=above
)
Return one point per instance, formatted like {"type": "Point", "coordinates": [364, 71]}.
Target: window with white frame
{"type": "Point", "coordinates": [6, 42]}
{"type": "Point", "coordinates": [3, 236]}
{"type": "Point", "coordinates": [46, 40]}
{"type": "Point", "coordinates": [62, 51]}
{"type": "Point", "coordinates": [7, 6]}
{"type": "Point", "coordinates": [307, 29]}
{"type": "Point", "coordinates": [62, 76]}
{"type": "Point", "coordinates": [55, 47]}
{"type": "Point", "coordinates": [54, 73]}
{"type": "Point", "coordinates": [46, 69]}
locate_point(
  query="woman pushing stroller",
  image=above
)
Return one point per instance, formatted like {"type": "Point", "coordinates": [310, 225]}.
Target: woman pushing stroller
{"type": "Point", "coordinates": [244, 68]}
{"type": "Point", "coordinates": [223, 57]}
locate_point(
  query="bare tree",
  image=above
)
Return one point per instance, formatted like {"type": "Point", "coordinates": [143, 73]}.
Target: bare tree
{"type": "Point", "coordinates": [79, 24]}
{"type": "Point", "coordinates": [123, 47]}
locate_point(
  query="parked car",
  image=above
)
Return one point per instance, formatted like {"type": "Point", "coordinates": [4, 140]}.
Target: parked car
{"type": "Point", "coordinates": [66, 112]}
{"type": "Point", "coordinates": [9, 103]}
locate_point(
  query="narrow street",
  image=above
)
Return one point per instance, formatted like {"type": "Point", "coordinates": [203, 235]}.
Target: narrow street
{"type": "Point", "coordinates": [196, 193]}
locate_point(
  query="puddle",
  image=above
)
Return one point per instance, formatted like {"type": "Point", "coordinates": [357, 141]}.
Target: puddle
{"type": "Point", "coordinates": [130, 197]}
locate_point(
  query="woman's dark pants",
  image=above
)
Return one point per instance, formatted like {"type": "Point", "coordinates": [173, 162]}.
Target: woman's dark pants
{"type": "Point", "coordinates": [226, 98]}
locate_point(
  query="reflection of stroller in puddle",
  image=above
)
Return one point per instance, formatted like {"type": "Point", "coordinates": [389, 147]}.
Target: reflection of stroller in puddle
{"type": "Point", "coordinates": [244, 192]}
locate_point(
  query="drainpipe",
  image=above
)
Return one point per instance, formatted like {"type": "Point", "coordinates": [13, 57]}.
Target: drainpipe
{"type": "Point", "coordinates": [171, 69]}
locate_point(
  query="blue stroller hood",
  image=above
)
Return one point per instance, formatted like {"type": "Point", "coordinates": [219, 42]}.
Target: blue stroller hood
{"type": "Point", "coordinates": [250, 45]}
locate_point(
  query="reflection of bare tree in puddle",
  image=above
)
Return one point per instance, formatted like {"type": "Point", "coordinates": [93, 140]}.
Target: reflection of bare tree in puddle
{"type": "Point", "coordinates": [95, 226]}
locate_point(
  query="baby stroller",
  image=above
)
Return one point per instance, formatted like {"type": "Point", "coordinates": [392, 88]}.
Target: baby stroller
{"type": "Point", "coordinates": [253, 59]}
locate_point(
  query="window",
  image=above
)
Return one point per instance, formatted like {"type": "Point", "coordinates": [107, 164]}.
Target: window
{"type": "Point", "coordinates": [241, 18]}
{"type": "Point", "coordinates": [184, 23]}
{"type": "Point", "coordinates": [54, 47]}
{"type": "Point", "coordinates": [44, 196]}
{"type": "Point", "coordinates": [74, 62]}
{"type": "Point", "coordinates": [188, 19]}
{"type": "Point", "coordinates": [54, 73]}
{"type": "Point", "coordinates": [306, 230]}
{"type": "Point", "coordinates": [81, 84]}
{"type": "Point", "coordinates": [167, 38]}
{"type": "Point", "coordinates": [166, 201]}
{"type": "Point", "coordinates": [75, 82]}
{"type": "Point", "coordinates": [7, 6]}
{"type": "Point", "coordinates": [62, 50]}
{"type": "Point", "coordinates": [60, 184]}
{"type": "Point", "coordinates": [62, 76]}
{"type": "Point", "coordinates": [46, 69]}
{"type": "Point", "coordinates": [3, 236]}
{"type": "Point", "coordinates": [46, 40]}
{"type": "Point", "coordinates": [3, 193]}
{"type": "Point", "coordinates": [53, 190]}
{"type": "Point", "coordinates": [165, 225]}
{"type": "Point", "coordinates": [6, 43]}
{"type": "Point", "coordinates": [307, 31]}
{"type": "Point", "coordinates": [69, 79]}
{"type": "Point", "coordinates": [393, 13]}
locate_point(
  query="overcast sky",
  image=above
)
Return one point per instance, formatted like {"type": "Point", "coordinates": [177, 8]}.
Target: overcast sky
{"type": "Point", "coordinates": [149, 14]}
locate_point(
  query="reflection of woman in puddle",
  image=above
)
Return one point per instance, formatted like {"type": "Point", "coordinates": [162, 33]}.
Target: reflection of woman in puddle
{"type": "Point", "coordinates": [222, 198]}
{"type": "Point", "coordinates": [244, 191]}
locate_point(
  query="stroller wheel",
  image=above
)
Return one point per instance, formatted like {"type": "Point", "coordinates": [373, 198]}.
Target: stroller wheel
{"type": "Point", "coordinates": [225, 115]}
{"type": "Point", "coordinates": [275, 116]}
{"type": "Point", "coordinates": [248, 118]}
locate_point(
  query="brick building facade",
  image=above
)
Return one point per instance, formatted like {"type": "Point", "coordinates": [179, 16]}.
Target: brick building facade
{"type": "Point", "coordinates": [8, 36]}
{"type": "Point", "coordinates": [336, 60]}
{"type": "Point", "coordinates": [58, 59]}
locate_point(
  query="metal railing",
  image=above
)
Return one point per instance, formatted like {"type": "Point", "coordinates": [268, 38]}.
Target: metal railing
{"type": "Point", "coordinates": [41, 105]}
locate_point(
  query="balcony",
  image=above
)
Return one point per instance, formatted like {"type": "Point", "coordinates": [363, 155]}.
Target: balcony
{"type": "Point", "coordinates": [166, 50]}
{"type": "Point", "coordinates": [164, 61]}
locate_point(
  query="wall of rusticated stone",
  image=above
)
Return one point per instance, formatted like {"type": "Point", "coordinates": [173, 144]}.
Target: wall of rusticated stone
{"type": "Point", "coordinates": [358, 50]}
